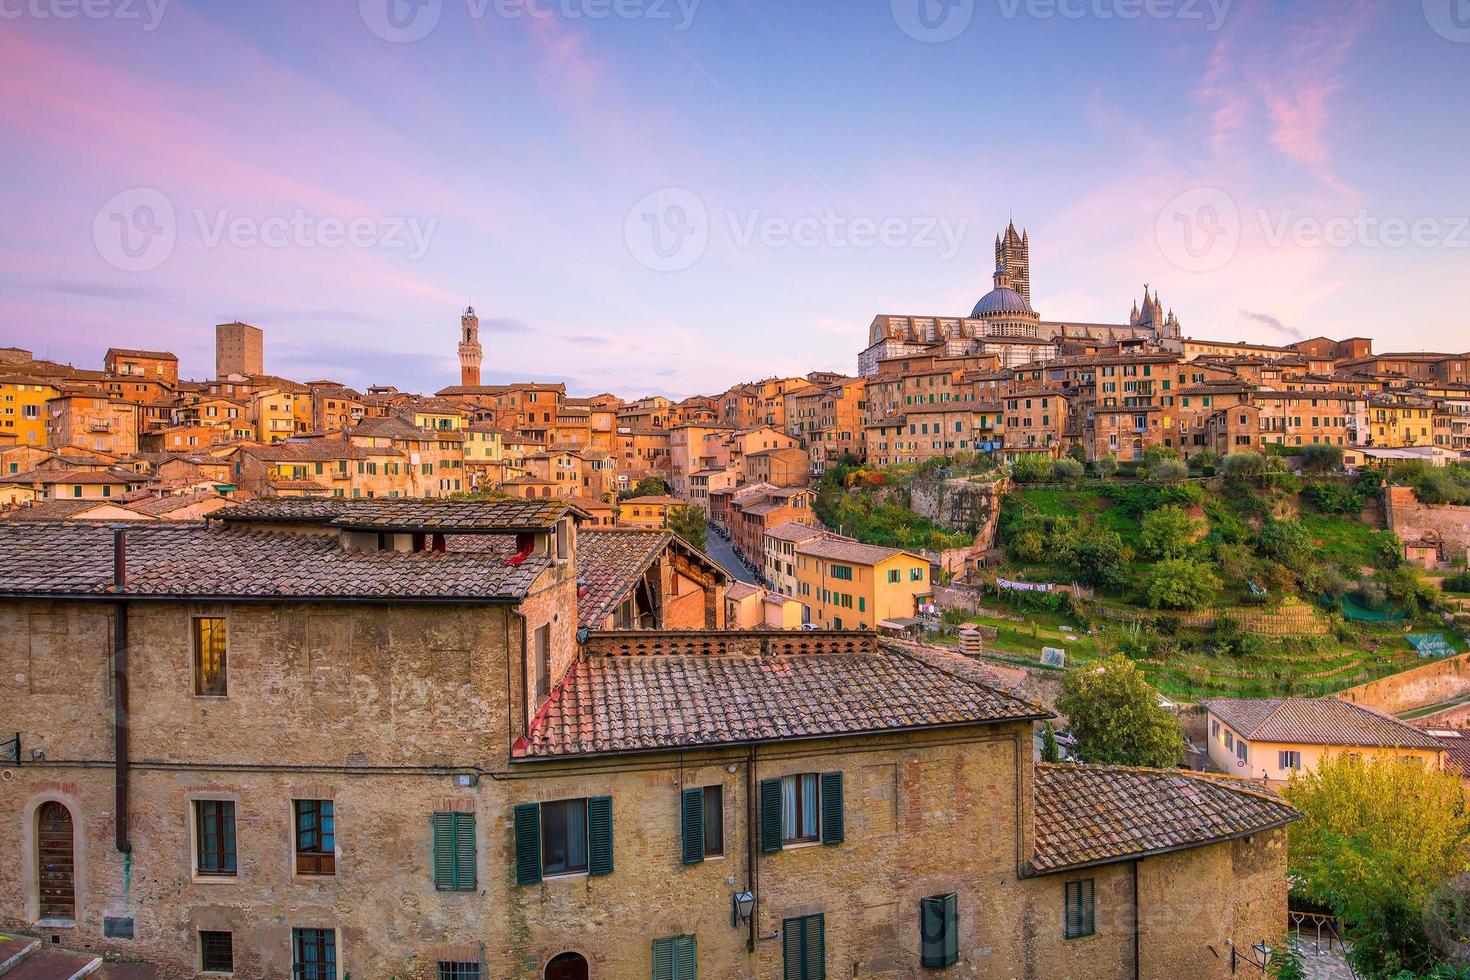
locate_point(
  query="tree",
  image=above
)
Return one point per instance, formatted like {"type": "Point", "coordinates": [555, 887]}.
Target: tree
{"type": "Point", "coordinates": [1051, 749]}
{"type": "Point", "coordinates": [1319, 457]}
{"type": "Point", "coordinates": [1245, 464]}
{"type": "Point", "coordinates": [1066, 470]}
{"type": "Point", "coordinates": [1206, 460]}
{"type": "Point", "coordinates": [1158, 453]}
{"type": "Point", "coordinates": [690, 524]}
{"type": "Point", "coordinates": [1168, 471]}
{"type": "Point", "coordinates": [1106, 466]}
{"type": "Point", "coordinates": [1286, 542]}
{"type": "Point", "coordinates": [1102, 559]}
{"type": "Point", "coordinates": [1032, 468]}
{"type": "Point", "coordinates": [1376, 840]}
{"type": "Point", "coordinates": [1116, 717]}
{"type": "Point", "coordinates": [649, 486]}
{"type": "Point", "coordinates": [1168, 532]}
{"type": "Point", "coordinates": [1180, 583]}
{"type": "Point", "coordinates": [1075, 451]}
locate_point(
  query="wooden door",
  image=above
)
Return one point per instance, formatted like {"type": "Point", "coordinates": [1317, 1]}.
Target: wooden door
{"type": "Point", "coordinates": [56, 868]}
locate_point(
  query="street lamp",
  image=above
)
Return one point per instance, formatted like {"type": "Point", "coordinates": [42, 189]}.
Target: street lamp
{"type": "Point", "coordinates": [741, 905]}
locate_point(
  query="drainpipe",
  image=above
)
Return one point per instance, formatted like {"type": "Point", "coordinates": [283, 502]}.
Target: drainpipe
{"type": "Point", "coordinates": [1136, 946]}
{"type": "Point", "coordinates": [120, 688]}
{"type": "Point", "coordinates": [752, 868]}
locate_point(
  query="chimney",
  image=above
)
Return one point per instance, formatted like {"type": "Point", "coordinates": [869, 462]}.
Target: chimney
{"type": "Point", "coordinates": [119, 558]}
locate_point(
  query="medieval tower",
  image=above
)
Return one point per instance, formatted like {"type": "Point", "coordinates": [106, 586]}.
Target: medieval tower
{"type": "Point", "coordinates": [1013, 261]}
{"type": "Point", "coordinates": [470, 351]}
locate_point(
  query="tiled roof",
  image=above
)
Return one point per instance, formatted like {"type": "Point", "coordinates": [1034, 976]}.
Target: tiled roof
{"type": "Point", "coordinates": [184, 559]}
{"type": "Point", "coordinates": [157, 355]}
{"type": "Point", "coordinates": [741, 590]}
{"type": "Point", "coordinates": [1457, 747]}
{"type": "Point", "coordinates": [58, 510]}
{"type": "Point", "coordinates": [609, 563]}
{"type": "Point", "coordinates": [316, 451]}
{"type": "Point", "coordinates": [76, 474]}
{"type": "Point", "coordinates": [649, 703]}
{"type": "Point", "coordinates": [861, 554]}
{"type": "Point", "coordinates": [663, 501]}
{"type": "Point", "coordinates": [405, 513]}
{"type": "Point", "coordinates": [1315, 721]}
{"type": "Point", "coordinates": [164, 504]}
{"type": "Point", "coordinates": [1096, 814]}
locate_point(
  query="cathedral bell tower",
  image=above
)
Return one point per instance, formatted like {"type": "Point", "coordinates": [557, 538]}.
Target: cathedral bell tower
{"type": "Point", "coordinates": [470, 351]}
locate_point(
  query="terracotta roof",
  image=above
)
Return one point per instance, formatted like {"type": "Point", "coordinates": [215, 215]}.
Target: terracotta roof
{"type": "Point", "coordinates": [405, 513]}
{"type": "Point", "coordinates": [1456, 745]}
{"type": "Point", "coordinates": [650, 703]}
{"type": "Point", "coordinates": [157, 355]}
{"type": "Point", "coordinates": [794, 531]}
{"type": "Point", "coordinates": [609, 563]}
{"type": "Point", "coordinates": [741, 590]}
{"type": "Point", "coordinates": [1096, 814]}
{"type": "Point", "coordinates": [1315, 721]}
{"type": "Point", "coordinates": [665, 501]}
{"type": "Point", "coordinates": [185, 559]}
{"type": "Point", "coordinates": [73, 474]}
{"type": "Point", "coordinates": [861, 554]}
{"type": "Point", "coordinates": [59, 510]}
{"type": "Point", "coordinates": [316, 451]}
{"type": "Point", "coordinates": [164, 504]}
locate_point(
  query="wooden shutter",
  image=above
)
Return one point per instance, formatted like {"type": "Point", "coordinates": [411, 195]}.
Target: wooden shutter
{"type": "Point", "coordinates": [1088, 907]}
{"type": "Point", "coordinates": [691, 815]}
{"type": "Point", "coordinates": [832, 812]}
{"type": "Point", "coordinates": [444, 851]}
{"type": "Point", "coordinates": [1080, 909]}
{"type": "Point", "coordinates": [673, 958]}
{"type": "Point", "coordinates": [804, 948]}
{"type": "Point", "coordinates": [663, 959]}
{"type": "Point", "coordinates": [528, 843]}
{"type": "Point", "coordinates": [464, 851]}
{"type": "Point", "coordinates": [793, 943]}
{"type": "Point", "coordinates": [599, 835]}
{"type": "Point", "coordinates": [771, 815]}
{"type": "Point", "coordinates": [685, 967]}
{"type": "Point", "coordinates": [939, 931]}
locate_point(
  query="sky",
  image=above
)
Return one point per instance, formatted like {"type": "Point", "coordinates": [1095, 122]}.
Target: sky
{"type": "Point", "coordinates": [671, 196]}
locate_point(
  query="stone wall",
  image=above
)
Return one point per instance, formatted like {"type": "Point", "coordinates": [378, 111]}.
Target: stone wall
{"type": "Point", "coordinates": [1413, 521]}
{"type": "Point", "coordinates": [1430, 684]}
{"type": "Point", "coordinates": [964, 504]}
{"type": "Point", "coordinates": [1288, 619]}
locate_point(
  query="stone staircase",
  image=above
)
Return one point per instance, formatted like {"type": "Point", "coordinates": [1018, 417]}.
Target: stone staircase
{"type": "Point", "coordinates": [22, 958]}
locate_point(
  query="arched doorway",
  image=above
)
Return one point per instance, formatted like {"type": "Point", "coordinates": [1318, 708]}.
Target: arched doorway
{"type": "Point", "coordinates": [56, 864]}
{"type": "Point", "coordinates": [567, 966]}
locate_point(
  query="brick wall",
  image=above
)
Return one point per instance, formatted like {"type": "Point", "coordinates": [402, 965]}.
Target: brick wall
{"type": "Point", "coordinates": [1411, 521]}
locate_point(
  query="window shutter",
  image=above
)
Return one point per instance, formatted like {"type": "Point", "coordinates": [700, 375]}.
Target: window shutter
{"type": "Point", "coordinates": [444, 851]}
{"type": "Point", "coordinates": [528, 843]}
{"type": "Point", "coordinates": [814, 960]}
{"type": "Point", "coordinates": [951, 929]}
{"type": "Point", "coordinates": [832, 813]}
{"type": "Point", "coordinates": [793, 946]}
{"type": "Point", "coordinates": [464, 851]}
{"type": "Point", "coordinates": [1088, 907]}
{"type": "Point", "coordinates": [692, 818]}
{"type": "Point", "coordinates": [931, 933]}
{"type": "Point", "coordinates": [599, 835]}
{"type": "Point", "coordinates": [663, 959]}
{"type": "Point", "coordinates": [770, 815]}
{"type": "Point", "coordinates": [685, 966]}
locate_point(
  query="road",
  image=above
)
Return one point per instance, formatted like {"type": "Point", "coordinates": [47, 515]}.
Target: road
{"type": "Point", "coordinates": [719, 549]}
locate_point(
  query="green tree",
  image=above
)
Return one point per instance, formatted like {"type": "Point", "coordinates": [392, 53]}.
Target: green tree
{"type": "Point", "coordinates": [690, 524]}
{"type": "Point", "coordinates": [1158, 453]}
{"type": "Point", "coordinates": [1206, 460]}
{"type": "Point", "coordinates": [1032, 468]}
{"type": "Point", "coordinates": [1051, 749]}
{"type": "Point", "coordinates": [1180, 583]}
{"type": "Point", "coordinates": [1106, 466]}
{"type": "Point", "coordinates": [1168, 471]}
{"type": "Point", "coordinates": [1245, 464]}
{"type": "Point", "coordinates": [1066, 470]}
{"type": "Point", "coordinates": [1075, 451]}
{"type": "Point", "coordinates": [1102, 559]}
{"type": "Point", "coordinates": [1320, 457]}
{"type": "Point", "coordinates": [649, 486]}
{"type": "Point", "coordinates": [1286, 542]}
{"type": "Point", "coordinates": [1376, 840]}
{"type": "Point", "coordinates": [1116, 717]}
{"type": "Point", "coordinates": [1168, 532]}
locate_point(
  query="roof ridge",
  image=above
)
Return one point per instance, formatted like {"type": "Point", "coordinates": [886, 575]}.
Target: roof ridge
{"type": "Point", "coordinates": [898, 647]}
{"type": "Point", "coordinates": [1238, 784]}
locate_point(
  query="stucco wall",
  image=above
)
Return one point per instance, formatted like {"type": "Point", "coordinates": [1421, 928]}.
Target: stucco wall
{"type": "Point", "coordinates": [1418, 687]}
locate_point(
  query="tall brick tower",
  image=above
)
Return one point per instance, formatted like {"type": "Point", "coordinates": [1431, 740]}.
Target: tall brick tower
{"type": "Point", "coordinates": [1013, 260]}
{"type": "Point", "coordinates": [470, 351]}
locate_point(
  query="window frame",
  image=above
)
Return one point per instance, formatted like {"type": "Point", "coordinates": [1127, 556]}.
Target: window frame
{"type": "Point", "coordinates": [205, 952]}
{"type": "Point", "coordinates": [714, 812]}
{"type": "Point", "coordinates": [816, 834]}
{"type": "Point", "coordinates": [457, 969]}
{"type": "Point", "coordinates": [219, 854]}
{"type": "Point", "coordinates": [1085, 923]}
{"type": "Point", "coordinates": [567, 869]}
{"type": "Point", "coordinates": [321, 861]}
{"type": "Point", "coordinates": [323, 939]}
{"type": "Point", "coordinates": [221, 687]}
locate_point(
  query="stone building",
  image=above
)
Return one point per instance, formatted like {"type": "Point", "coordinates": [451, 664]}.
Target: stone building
{"type": "Point", "coordinates": [239, 350]}
{"type": "Point", "coordinates": [327, 737]}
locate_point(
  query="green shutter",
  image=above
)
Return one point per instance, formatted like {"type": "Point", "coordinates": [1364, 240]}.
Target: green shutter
{"type": "Point", "coordinates": [793, 942]}
{"type": "Point", "coordinates": [804, 948]}
{"type": "Point", "coordinates": [685, 960]}
{"type": "Point", "coordinates": [599, 835]}
{"type": "Point", "coordinates": [528, 843]}
{"type": "Point", "coordinates": [692, 818]}
{"type": "Point", "coordinates": [938, 931]}
{"type": "Point", "coordinates": [832, 813]}
{"type": "Point", "coordinates": [464, 851]}
{"type": "Point", "coordinates": [663, 959]}
{"type": "Point", "coordinates": [444, 851]}
{"type": "Point", "coordinates": [814, 958]}
{"type": "Point", "coordinates": [1080, 909]}
{"type": "Point", "coordinates": [771, 815]}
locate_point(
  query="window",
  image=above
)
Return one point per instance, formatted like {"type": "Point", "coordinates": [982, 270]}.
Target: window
{"type": "Point", "coordinates": [449, 970]}
{"type": "Point", "coordinates": [563, 837]}
{"type": "Point", "coordinates": [1214, 729]}
{"type": "Point", "coordinates": [543, 661]}
{"type": "Point", "coordinates": [1240, 749]}
{"type": "Point", "coordinates": [316, 839]}
{"type": "Point", "coordinates": [216, 952]}
{"type": "Point", "coordinates": [1080, 912]}
{"type": "Point", "coordinates": [803, 948]}
{"type": "Point", "coordinates": [1289, 760]}
{"type": "Point", "coordinates": [454, 851]}
{"type": "Point", "coordinates": [702, 820]}
{"type": "Point", "coordinates": [313, 954]}
{"type": "Point", "coordinates": [939, 932]}
{"type": "Point", "coordinates": [893, 575]}
{"type": "Point", "coordinates": [916, 574]}
{"type": "Point", "coordinates": [209, 656]}
{"type": "Point", "coordinates": [674, 958]}
{"type": "Point", "coordinates": [801, 808]}
{"type": "Point", "coordinates": [214, 837]}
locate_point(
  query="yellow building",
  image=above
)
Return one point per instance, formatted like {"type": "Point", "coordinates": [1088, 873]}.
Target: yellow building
{"type": "Point", "coordinates": [1271, 738]}
{"type": "Point", "coordinates": [646, 511]}
{"type": "Point", "coordinates": [23, 408]}
{"type": "Point", "coordinates": [1397, 422]}
{"type": "Point", "coordinates": [275, 413]}
{"type": "Point", "coordinates": [846, 585]}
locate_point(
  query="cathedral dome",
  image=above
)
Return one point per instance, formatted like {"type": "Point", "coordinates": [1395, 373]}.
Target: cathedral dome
{"type": "Point", "coordinates": [1000, 301]}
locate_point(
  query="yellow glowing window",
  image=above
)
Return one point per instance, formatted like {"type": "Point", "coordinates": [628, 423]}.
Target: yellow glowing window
{"type": "Point", "coordinates": [209, 656]}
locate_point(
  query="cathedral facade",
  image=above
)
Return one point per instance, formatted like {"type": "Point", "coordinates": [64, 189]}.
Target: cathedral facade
{"type": "Point", "coordinates": [1004, 321]}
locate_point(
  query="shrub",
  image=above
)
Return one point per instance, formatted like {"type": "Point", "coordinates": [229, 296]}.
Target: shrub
{"type": "Point", "coordinates": [1168, 471]}
{"type": "Point", "coordinates": [1107, 466]}
{"type": "Point", "coordinates": [1319, 457]}
{"type": "Point", "coordinates": [1245, 464]}
{"type": "Point", "coordinates": [1286, 542]}
{"type": "Point", "coordinates": [1180, 583]}
{"type": "Point", "coordinates": [1032, 468]}
{"type": "Point", "coordinates": [1066, 470]}
{"type": "Point", "coordinates": [1168, 532]}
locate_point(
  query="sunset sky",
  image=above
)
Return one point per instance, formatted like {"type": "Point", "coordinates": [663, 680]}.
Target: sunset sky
{"type": "Point", "coordinates": [322, 171]}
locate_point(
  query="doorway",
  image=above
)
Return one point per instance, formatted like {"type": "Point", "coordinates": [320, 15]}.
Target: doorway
{"type": "Point", "coordinates": [567, 966]}
{"type": "Point", "coordinates": [56, 867]}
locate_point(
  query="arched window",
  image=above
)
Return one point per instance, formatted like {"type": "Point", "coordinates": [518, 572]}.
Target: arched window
{"type": "Point", "coordinates": [56, 864]}
{"type": "Point", "coordinates": [567, 966]}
